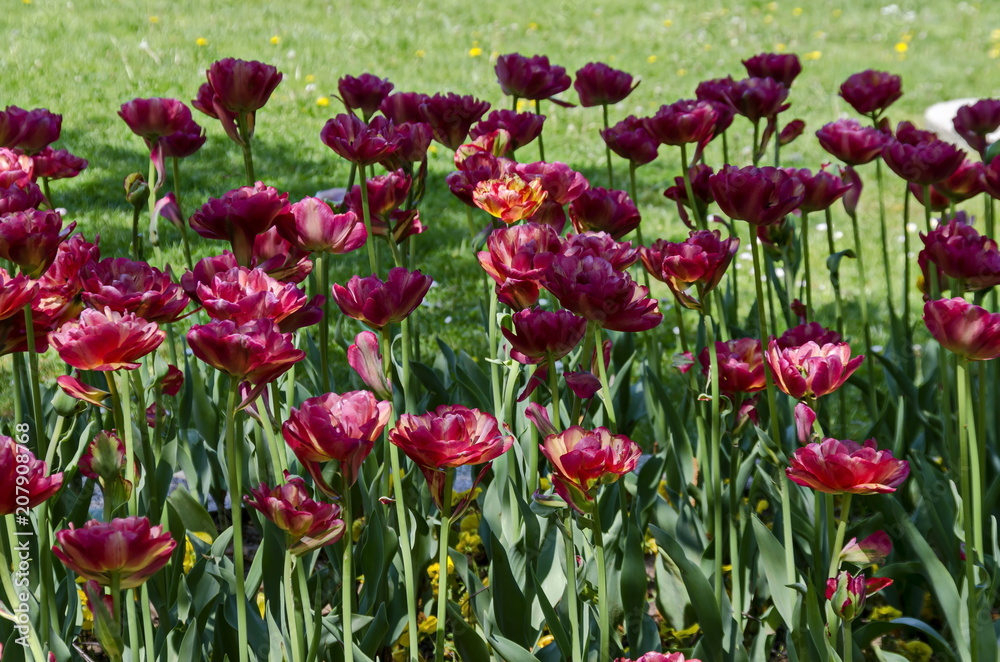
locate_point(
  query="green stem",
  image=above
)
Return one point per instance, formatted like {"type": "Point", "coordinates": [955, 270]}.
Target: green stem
{"type": "Point", "coordinates": [136, 247]}
{"type": "Point", "coordinates": [699, 221]}
{"type": "Point", "coordinates": [607, 150]}
{"type": "Point", "coordinates": [36, 391]}
{"type": "Point", "coordinates": [602, 371]}
{"type": "Point", "coordinates": [347, 576]}
{"type": "Point", "coordinates": [786, 511]}
{"type": "Point", "coordinates": [234, 465]}
{"type": "Point", "coordinates": [129, 434]}
{"type": "Point", "coordinates": [279, 459]}
{"type": "Point", "coordinates": [968, 516]}
{"type": "Point", "coordinates": [541, 145]}
{"type": "Point", "coordinates": [241, 123]}
{"type": "Point", "coordinates": [735, 495]}
{"type": "Point", "coordinates": [603, 608]}
{"type": "Point", "coordinates": [317, 619]}
{"type": "Point", "coordinates": [17, 365]}
{"type": "Point", "coordinates": [491, 324]}
{"type": "Point", "coordinates": [572, 593]}
{"type": "Point", "coordinates": [652, 339]}
{"type": "Point", "coordinates": [756, 146]}
{"type": "Point", "coordinates": [715, 454]}
{"type": "Point", "coordinates": [184, 226]}
{"type": "Point", "coordinates": [134, 642]}
{"type": "Point", "coordinates": [863, 301]}
{"type": "Point", "coordinates": [323, 278]}
{"type": "Point", "coordinates": [906, 258]}
{"type": "Point", "coordinates": [838, 541]}
{"type": "Point", "coordinates": [10, 594]}
{"type": "Point", "coordinates": [48, 193]}
{"type": "Point", "coordinates": [151, 200]}
{"type": "Point", "coordinates": [147, 622]}
{"type": "Point", "coordinates": [442, 596]}
{"type": "Point", "coordinates": [886, 265]}
{"type": "Point", "coordinates": [806, 263]}
{"type": "Point", "coordinates": [366, 215]}
{"type": "Point", "coordinates": [848, 642]}
{"type": "Point", "coordinates": [554, 390]}
{"type": "Point", "coordinates": [977, 443]}
{"type": "Point", "coordinates": [295, 636]}
{"type": "Point", "coordinates": [116, 600]}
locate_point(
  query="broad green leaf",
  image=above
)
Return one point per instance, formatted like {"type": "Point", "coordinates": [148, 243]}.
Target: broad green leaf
{"type": "Point", "coordinates": [772, 555]}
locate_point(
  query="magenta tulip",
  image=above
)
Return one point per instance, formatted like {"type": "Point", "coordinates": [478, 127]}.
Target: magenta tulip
{"type": "Point", "coordinates": [964, 328]}
{"type": "Point", "coordinates": [530, 77]}
{"type": "Point", "coordinates": [308, 524]}
{"type": "Point", "coordinates": [631, 140]}
{"type": "Point", "coordinates": [960, 252]}
{"type": "Point", "coordinates": [976, 121]}
{"type": "Point", "coordinates": [133, 287]}
{"type": "Point", "coordinates": [517, 258]}
{"type": "Point", "coordinates": [240, 215]}
{"type": "Point", "coordinates": [923, 163]}
{"type": "Point", "coordinates": [682, 122]}
{"type": "Point", "coordinates": [256, 351]}
{"type": "Point", "coordinates": [242, 86]}
{"type": "Point", "coordinates": [15, 293]}
{"type": "Point", "coordinates": [522, 127]}
{"type": "Point", "coordinates": [700, 260]}
{"type": "Point", "coordinates": [379, 303]}
{"type": "Point", "coordinates": [314, 227]}
{"type": "Point", "coordinates": [871, 92]}
{"type": "Point", "coordinates": [582, 460]}
{"type": "Point", "coordinates": [129, 550]}
{"type": "Point", "coordinates": [365, 93]}
{"type": "Point", "coordinates": [541, 335]}
{"type": "Point", "coordinates": [597, 84]}
{"type": "Point", "coordinates": [811, 370]}
{"type": "Point", "coordinates": [839, 467]}
{"type": "Point", "coordinates": [151, 119]}
{"type": "Point", "coordinates": [30, 239]}
{"type": "Point", "coordinates": [106, 340]}
{"type": "Point", "coordinates": [450, 117]}
{"type": "Point", "coordinates": [782, 67]}
{"type": "Point", "coordinates": [359, 142]}
{"type": "Point", "coordinates": [759, 196]}
{"type": "Point", "coordinates": [23, 476]}
{"type": "Point", "coordinates": [852, 143]}
{"type": "Point", "coordinates": [57, 164]}
{"type": "Point", "coordinates": [741, 365]}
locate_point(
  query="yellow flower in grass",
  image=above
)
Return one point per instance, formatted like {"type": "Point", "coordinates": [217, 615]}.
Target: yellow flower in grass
{"type": "Point", "coordinates": [544, 483]}
{"type": "Point", "coordinates": [916, 651]}
{"type": "Point", "coordinates": [812, 55]}
{"type": "Point", "coordinates": [994, 52]}
{"type": "Point", "coordinates": [322, 102]}
{"type": "Point", "coordinates": [901, 47]}
{"type": "Point", "coordinates": [190, 557]}
{"type": "Point", "coordinates": [275, 40]}
{"type": "Point", "coordinates": [667, 23]}
{"type": "Point", "coordinates": [780, 48]}
{"type": "Point", "coordinates": [154, 19]}
{"type": "Point", "coordinates": [532, 26]}
{"type": "Point", "coordinates": [475, 51]}
{"type": "Point", "coordinates": [201, 41]}
{"type": "Point", "coordinates": [797, 11]}
{"type": "Point", "coordinates": [428, 627]}
{"type": "Point", "coordinates": [420, 52]}
{"type": "Point", "coordinates": [357, 527]}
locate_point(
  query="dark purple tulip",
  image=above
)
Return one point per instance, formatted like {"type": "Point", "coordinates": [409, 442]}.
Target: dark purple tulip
{"type": "Point", "coordinates": [591, 288]}
{"type": "Point", "coordinates": [908, 134]}
{"type": "Point", "coordinates": [759, 196]}
{"type": "Point", "coordinates": [870, 92]}
{"type": "Point", "coordinates": [183, 143]}
{"type": "Point", "coordinates": [700, 260]}
{"type": "Point", "coordinates": [791, 131]}
{"type": "Point", "coordinates": [57, 164]}
{"type": "Point", "coordinates": [540, 335]}
{"type": "Point", "coordinates": [991, 178]}
{"type": "Point", "coordinates": [598, 209]}
{"type": "Point", "coordinates": [475, 169]}
{"type": "Point", "coordinates": [699, 176]}
{"type": "Point", "coordinates": [240, 216]}
{"type": "Point", "coordinates": [851, 197]}
{"type": "Point", "coordinates": [208, 103]}
{"type": "Point", "coordinates": [721, 92]}
{"type": "Point", "coordinates": [976, 121]}
{"type": "Point", "coordinates": [966, 182]}
{"type": "Point", "coordinates": [600, 85]}
{"type": "Point", "coordinates": [759, 98]}
{"type": "Point", "coordinates": [530, 77]}
{"type": "Point", "coordinates": [11, 125]}
{"type": "Point", "coordinates": [31, 238]}
{"type": "Point", "coordinates": [924, 163]}
{"type": "Point", "coordinates": [364, 93]}
{"type": "Point", "coordinates": [242, 86]}
{"type": "Point", "coordinates": [782, 67]}
{"type": "Point", "coordinates": [379, 303]}
{"type": "Point", "coordinates": [852, 143]}
{"type": "Point", "coordinates": [621, 255]}
{"type": "Point", "coordinates": [962, 253]}
{"type": "Point", "coordinates": [403, 106]}
{"type": "Point", "coordinates": [682, 122]}
{"type": "Point", "coordinates": [631, 140]}
{"type": "Point", "coordinates": [963, 328]}
{"type": "Point", "coordinates": [16, 198]}
{"type": "Point", "coordinates": [413, 139]}
{"type": "Point", "coordinates": [522, 127]}
{"type": "Point", "coordinates": [125, 286]}
{"type": "Point", "coordinates": [33, 130]}
{"type": "Point", "coordinates": [451, 116]}
{"type": "Point", "coordinates": [364, 144]}
{"type": "Point", "coordinates": [151, 119]}
{"type": "Point", "coordinates": [821, 189]}
{"type": "Point", "coordinates": [562, 184]}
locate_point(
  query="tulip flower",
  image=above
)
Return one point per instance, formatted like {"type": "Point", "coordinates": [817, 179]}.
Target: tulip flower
{"type": "Point", "coordinates": [976, 121]}
{"type": "Point", "coordinates": [510, 198]}
{"type": "Point", "coordinates": [964, 328]}
{"type": "Point", "coordinates": [105, 460]}
{"type": "Point", "coordinates": [741, 365]}
{"type": "Point", "coordinates": [592, 288]}
{"type": "Point", "coordinates": [803, 333]}
{"type": "Point", "coordinates": [57, 164]}
{"type": "Point", "coordinates": [359, 142]}
{"type": "Point", "coordinates": [698, 176]}
{"type": "Point", "coordinates": [821, 189]}
{"type": "Point", "coordinates": [620, 254]}
{"type": "Point", "coordinates": [562, 183]}
{"type": "Point", "coordinates": [700, 260]}
{"type": "Point", "coordinates": [966, 182]}
{"type": "Point", "coordinates": [15, 293]}
{"type": "Point", "coordinates": [23, 476]}
{"type": "Point", "coordinates": [448, 437]}
{"type": "Point", "coordinates": [127, 551]}
{"type": "Point", "coordinates": [522, 127]}
{"type": "Point", "coordinates": [106, 340]}
{"type": "Point", "coordinates": [403, 106]}
{"type": "Point", "coordinates": [365, 357]}
{"type": "Point", "coordinates": [873, 550]}
{"type": "Point", "coordinates": [30, 239]}
{"type": "Point", "coordinates": [845, 467]}
{"type": "Point", "coordinates": [758, 98]}
{"type": "Point", "coordinates": [810, 370]}
{"type": "Point", "coordinates": [413, 140]}
{"type": "Point", "coordinates": [308, 524]}
{"type": "Point", "coordinates": [386, 193]}
{"type": "Point", "coordinates": [379, 303]}
{"type": "Point", "coordinates": [602, 210]}
{"type": "Point", "coordinates": [240, 215]}
{"type": "Point", "coordinates": [990, 178]}
{"type": "Point", "coordinates": [959, 252]}
{"type": "Point", "coordinates": [365, 93]}
{"type": "Point", "coordinates": [530, 77]}
{"type": "Point", "coordinates": [152, 119]}
{"type": "Point", "coordinates": [475, 169]}
{"type": "Point", "coordinates": [75, 388]}
{"type": "Point", "coordinates": [29, 130]}
{"type": "Point", "coordinates": [517, 258]}
{"type": "Point", "coordinates": [631, 140]}
{"type": "Point", "coordinates": [782, 67]}
{"type": "Point", "coordinates": [792, 130]}
{"type": "Point", "coordinates": [847, 593]}
{"type": "Point", "coordinates": [600, 85]}
{"type": "Point", "coordinates": [582, 460]}
{"type": "Point", "coordinates": [721, 92]}
{"type": "Point", "coordinates": [760, 196]}
{"type": "Point", "coordinates": [243, 295]}
{"type": "Point", "coordinates": [16, 169]}
{"type": "Point", "coordinates": [313, 226]}
{"type": "Point", "coordinates": [923, 163]}
{"type": "Point", "coordinates": [184, 142]}
{"type": "Point", "coordinates": [660, 657]}
{"type": "Point", "coordinates": [450, 117]}
{"type": "Point", "coordinates": [852, 143]}
{"type": "Point", "coordinates": [871, 92]}
{"type": "Point", "coordinates": [541, 335]}
{"type": "Point", "coordinates": [685, 121]}
{"type": "Point", "coordinates": [336, 427]}
{"type": "Point", "coordinates": [242, 86]}
{"type": "Point", "coordinates": [133, 287]}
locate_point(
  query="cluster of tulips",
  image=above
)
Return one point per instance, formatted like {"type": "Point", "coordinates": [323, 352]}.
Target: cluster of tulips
{"type": "Point", "coordinates": [561, 509]}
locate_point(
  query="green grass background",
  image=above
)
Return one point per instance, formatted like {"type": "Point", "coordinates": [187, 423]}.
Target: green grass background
{"type": "Point", "coordinates": [83, 58]}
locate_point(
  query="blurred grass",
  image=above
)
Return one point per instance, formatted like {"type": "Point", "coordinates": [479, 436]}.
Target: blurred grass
{"type": "Point", "coordinates": [83, 58]}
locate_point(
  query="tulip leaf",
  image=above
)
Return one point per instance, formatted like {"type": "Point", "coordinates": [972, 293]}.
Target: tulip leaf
{"type": "Point", "coordinates": [510, 651]}
{"type": "Point", "coordinates": [772, 555]}
{"type": "Point", "coordinates": [376, 632]}
{"type": "Point", "coordinates": [863, 636]}
{"type": "Point", "coordinates": [510, 608]}
{"type": "Point", "coordinates": [469, 643]}
{"type": "Point", "coordinates": [833, 264]}
{"type": "Point", "coordinates": [193, 515]}
{"type": "Point", "coordinates": [634, 583]}
{"type": "Point", "coordinates": [552, 619]}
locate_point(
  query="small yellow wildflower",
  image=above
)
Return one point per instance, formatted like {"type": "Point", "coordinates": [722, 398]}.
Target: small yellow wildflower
{"type": "Point", "coordinates": [475, 51]}
{"type": "Point", "coordinates": [797, 11]}
{"type": "Point", "coordinates": [458, 497]}
{"type": "Point", "coordinates": [322, 102]}
{"type": "Point", "coordinates": [469, 543]}
{"type": "Point", "coordinates": [532, 26]}
{"type": "Point", "coordinates": [994, 52]}
{"type": "Point", "coordinates": [428, 626]}
{"type": "Point", "coordinates": [906, 37]}
{"type": "Point", "coordinates": [470, 522]}
{"type": "Point", "coordinates": [762, 505]}
{"type": "Point", "coordinates": [819, 34]}
{"type": "Point", "coordinates": [88, 618]}
{"type": "Point", "coordinates": [27, 2]}
{"type": "Point", "coordinates": [261, 603]}
{"type": "Point", "coordinates": [902, 47]}
{"type": "Point", "coordinates": [154, 19]}
{"type": "Point", "coordinates": [812, 55]}
{"type": "Point", "coordinates": [650, 547]}
{"type": "Point", "coordinates": [667, 23]}
{"type": "Point", "coordinates": [727, 568]}
{"type": "Point", "coordinates": [420, 52]}
{"type": "Point", "coordinates": [651, 59]}
{"type": "Point", "coordinates": [780, 48]}
{"type": "Point", "coordinates": [995, 35]}
{"type": "Point", "coordinates": [545, 640]}
{"type": "Point", "coordinates": [682, 72]}
{"type": "Point", "coordinates": [772, 6]}
{"type": "Point", "coordinates": [310, 78]}
{"type": "Point", "coordinates": [707, 47]}
{"type": "Point", "coordinates": [836, 13]}
{"type": "Point", "coordinates": [916, 651]}
{"type": "Point", "coordinates": [434, 570]}
{"type": "Point", "coordinates": [885, 613]}
{"type": "Point", "coordinates": [433, 149]}
{"type": "Point", "coordinates": [768, 19]}
{"type": "Point", "coordinates": [275, 40]}
{"type": "Point", "coordinates": [544, 483]}
{"type": "Point", "coordinates": [678, 638]}
{"type": "Point", "coordinates": [357, 527]}
{"type": "Point", "coordinates": [201, 41]}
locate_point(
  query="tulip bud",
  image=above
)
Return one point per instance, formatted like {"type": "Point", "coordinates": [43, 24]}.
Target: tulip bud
{"type": "Point", "coordinates": [136, 190]}
{"type": "Point", "coordinates": [847, 593]}
{"type": "Point", "coordinates": [873, 550]}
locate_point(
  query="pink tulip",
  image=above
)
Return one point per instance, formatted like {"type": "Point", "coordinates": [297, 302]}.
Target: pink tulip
{"type": "Point", "coordinates": [871, 92]}
{"type": "Point", "coordinates": [873, 550]}
{"type": "Point", "coordinates": [803, 333]}
{"type": "Point", "coordinates": [16, 168]}
{"type": "Point", "coordinates": [151, 119]}
{"type": "Point", "coordinates": [106, 340]}
{"type": "Point", "coordinates": [129, 548]}
{"type": "Point", "coordinates": [57, 164]}
{"type": "Point", "coordinates": [15, 294]}
{"type": "Point", "coordinates": [380, 303]}
{"type": "Point", "coordinates": [782, 67]}
{"type": "Point", "coordinates": [365, 93]}
{"type": "Point", "coordinates": [23, 476]}
{"type": "Point", "coordinates": [522, 127]}
{"type": "Point", "coordinates": [307, 524]}
{"type": "Point", "coordinates": [964, 328]}
{"type": "Point", "coordinates": [362, 143]}
{"type": "Point", "coordinates": [365, 357]}
{"type": "Point", "coordinates": [682, 122]}
{"type": "Point", "coordinates": [541, 335]}
{"type": "Point", "coordinates": [240, 216]}
{"type": "Point", "coordinates": [620, 254]}
{"type": "Point", "coordinates": [582, 460]}
{"type": "Point", "coordinates": [313, 226]}
{"type": "Point", "coordinates": [741, 365]}
{"type": "Point", "coordinates": [562, 183]}
{"type": "Point", "coordinates": [811, 370]}
{"type": "Point", "coordinates": [597, 84]}
{"type": "Point", "coordinates": [29, 130]}
{"type": "Point", "coordinates": [242, 86]}
{"type": "Point", "coordinates": [631, 140]}
{"type": "Point", "coordinates": [700, 261]}
{"type": "Point", "coordinates": [133, 287]}
{"type": "Point", "coordinates": [592, 288]}
{"type": "Point", "coordinates": [243, 295]}
{"type": "Point", "coordinates": [517, 258]}
{"type": "Point", "coordinates": [530, 77]}
{"type": "Point", "coordinates": [30, 239]}
{"type": "Point", "coordinates": [602, 210]}
{"type": "Point", "coordinates": [838, 467]}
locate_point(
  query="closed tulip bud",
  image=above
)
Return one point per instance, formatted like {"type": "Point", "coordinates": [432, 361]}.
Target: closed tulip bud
{"type": "Point", "coordinates": [23, 476]}
{"type": "Point", "coordinates": [839, 467]}
{"type": "Point", "coordinates": [847, 593]}
{"type": "Point", "coordinates": [631, 140]}
{"type": "Point", "coordinates": [128, 548]}
{"type": "Point", "coordinates": [871, 92]}
{"type": "Point", "coordinates": [600, 85]}
{"type": "Point", "coordinates": [104, 461]}
{"type": "Point", "coordinates": [582, 460]}
{"type": "Point", "coordinates": [365, 93]}
{"type": "Point", "coordinates": [530, 77]}
{"type": "Point", "coordinates": [136, 190]}
{"type": "Point", "coordinates": [811, 370]}
{"type": "Point", "coordinates": [366, 359]}
{"type": "Point", "coordinates": [852, 195]}
{"type": "Point", "coordinates": [964, 328]}
{"type": "Point", "coordinates": [852, 143]}
{"type": "Point", "coordinates": [791, 131]}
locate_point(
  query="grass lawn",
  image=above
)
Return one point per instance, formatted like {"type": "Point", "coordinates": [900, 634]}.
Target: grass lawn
{"type": "Point", "coordinates": [83, 58]}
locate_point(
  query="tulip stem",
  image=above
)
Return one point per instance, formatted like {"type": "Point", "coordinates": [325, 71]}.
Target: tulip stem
{"type": "Point", "coordinates": [554, 390]}
{"type": "Point", "coordinates": [294, 635]}
{"type": "Point", "coordinates": [136, 248]}
{"type": "Point", "coordinates": [347, 575]}
{"type": "Point", "coordinates": [245, 137]}
{"type": "Point", "coordinates": [184, 225]}
{"type": "Point", "coordinates": [838, 307]}
{"type": "Point", "coordinates": [886, 265]}
{"type": "Point", "coordinates": [395, 465]}
{"type": "Point", "coordinates": [838, 541]}
{"type": "Point", "coordinates": [147, 622]}
{"type": "Point", "coordinates": [806, 264]}
{"type": "Point", "coordinates": [699, 220]}
{"type": "Point", "coordinates": [491, 330]}
{"type": "Point", "coordinates": [541, 145]}
{"type": "Point", "coordinates": [17, 366]}
{"type": "Point", "coordinates": [36, 393]}
{"type": "Point", "coordinates": [848, 641]}
{"type": "Point", "coordinates": [151, 199]}
{"type": "Point", "coordinates": [906, 258]}
{"type": "Point", "coordinates": [133, 624]}
{"type": "Point", "coordinates": [786, 511]}
{"type": "Point", "coordinates": [602, 371]}
{"type": "Point", "coordinates": [125, 396]}
{"type": "Point", "coordinates": [442, 596]}
{"type": "Point", "coordinates": [607, 149]}
{"type": "Point", "coordinates": [588, 349]}
{"type": "Point", "coordinates": [735, 499]}
{"type": "Point", "coordinates": [652, 340]}
{"type": "Point", "coordinates": [603, 608]}
{"type": "Point", "coordinates": [968, 510]}
{"type": "Point", "coordinates": [863, 301]}
{"type": "Point", "coordinates": [572, 593]}
{"type": "Point", "coordinates": [715, 451]}
{"type": "Point", "coordinates": [323, 279]}
{"type": "Point", "coordinates": [366, 215]}
{"type": "Point", "coordinates": [10, 594]}
{"type": "Point", "coordinates": [234, 464]}
{"type": "Point", "coordinates": [756, 147]}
